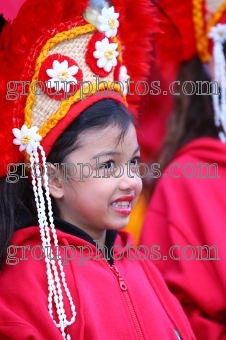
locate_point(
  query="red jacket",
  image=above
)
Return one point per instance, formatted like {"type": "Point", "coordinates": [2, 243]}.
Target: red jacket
{"type": "Point", "coordinates": [139, 306]}
{"type": "Point", "coordinates": [187, 213]}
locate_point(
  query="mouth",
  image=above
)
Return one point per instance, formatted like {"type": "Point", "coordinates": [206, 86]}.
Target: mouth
{"type": "Point", "coordinates": [123, 205]}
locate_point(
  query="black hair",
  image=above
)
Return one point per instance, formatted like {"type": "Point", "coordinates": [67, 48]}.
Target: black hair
{"type": "Point", "coordinates": [192, 116]}
{"type": "Point", "coordinates": [17, 199]}
{"type": "Point", "coordinates": [2, 22]}
{"type": "Point", "coordinates": [99, 116]}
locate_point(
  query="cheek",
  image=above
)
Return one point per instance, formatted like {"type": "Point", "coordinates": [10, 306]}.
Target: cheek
{"type": "Point", "coordinates": [92, 195]}
{"type": "Point", "coordinates": [91, 189]}
{"type": "Point", "coordinates": [70, 191]}
{"type": "Point", "coordinates": [139, 186]}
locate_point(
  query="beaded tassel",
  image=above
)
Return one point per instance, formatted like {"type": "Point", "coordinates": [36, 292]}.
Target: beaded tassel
{"type": "Point", "coordinates": [218, 34]}
{"type": "Point", "coordinates": [54, 281]}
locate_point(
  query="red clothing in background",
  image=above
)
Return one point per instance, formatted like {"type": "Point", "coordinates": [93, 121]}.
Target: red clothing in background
{"type": "Point", "coordinates": [185, 213]}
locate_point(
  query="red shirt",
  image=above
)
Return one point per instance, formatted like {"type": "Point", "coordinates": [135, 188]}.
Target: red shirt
{"type": "Point", "coordinates": [133, 305]}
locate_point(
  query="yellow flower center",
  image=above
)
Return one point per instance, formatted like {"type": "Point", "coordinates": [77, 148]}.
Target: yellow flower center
{"type": "Point", "coordinates": [25, 139]}
{"type": "Point", "coordinates": [63, 75]}
{"type": "Point", "coordinates": [112, 23]}
{"type": "Point", "coordinates": [109, 54]}
{"type": "Point", "coordinates": [221, 33]}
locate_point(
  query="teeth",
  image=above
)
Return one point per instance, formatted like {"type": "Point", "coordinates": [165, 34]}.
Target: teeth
{"type": "Point", "coordinates": [122, 205]}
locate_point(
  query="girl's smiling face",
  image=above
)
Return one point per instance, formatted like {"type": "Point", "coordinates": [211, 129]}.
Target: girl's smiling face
{"type": "Point", "coordinates": [99, 202]}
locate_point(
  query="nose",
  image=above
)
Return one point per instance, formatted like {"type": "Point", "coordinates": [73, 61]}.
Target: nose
{"type": "Point", "coordinates": [129, 180]}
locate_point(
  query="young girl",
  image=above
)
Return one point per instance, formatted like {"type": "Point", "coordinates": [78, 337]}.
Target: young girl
{"type": "Point", "coordinates": [67, 269]}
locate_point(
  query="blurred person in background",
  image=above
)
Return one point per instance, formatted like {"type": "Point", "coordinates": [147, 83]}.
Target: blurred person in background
{"type": "Point", "coordinates": [185, 222]}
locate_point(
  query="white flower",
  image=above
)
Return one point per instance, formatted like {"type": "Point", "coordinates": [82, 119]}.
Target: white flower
{"type": "Point", "coordinates": [108, 22]}
{"type": "Point", "coordinates": [27, 138]}
{"type": "Point", "coordinates": [123, 77]}
{"type": "Point", "coordinates": [106, 54]}
{"type": "Point", "coordinates": [218, 33]}
{"type": "Point", "coordinates": [61, 75]}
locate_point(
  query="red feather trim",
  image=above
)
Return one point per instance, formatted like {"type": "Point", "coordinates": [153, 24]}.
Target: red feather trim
{"type": "Point", "coordinates": [176, 42]}
{"type": "Point", "coordinates": [137, 24]}
{"type": "Point", "coordinates": [20, 43]}
{"type": "Point", "coordinates": [9, 152]}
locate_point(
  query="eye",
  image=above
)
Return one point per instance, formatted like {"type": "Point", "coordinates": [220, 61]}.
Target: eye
{"type": "Point", "coordinates": [134, 161]}
{"type": "Point", "coordinates": [110, 164]}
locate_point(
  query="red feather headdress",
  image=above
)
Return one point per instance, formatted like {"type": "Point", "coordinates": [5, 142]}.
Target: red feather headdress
{"type": "Point", "coordinates": [22, 43]}
{"type": "Point", "coordinates": [185, 27]}
{"type": "Point", "coordinates": [196, 27]}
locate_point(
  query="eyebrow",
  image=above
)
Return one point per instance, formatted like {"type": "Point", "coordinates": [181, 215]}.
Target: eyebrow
{"type": "Point", "coordinates": [113, 153]}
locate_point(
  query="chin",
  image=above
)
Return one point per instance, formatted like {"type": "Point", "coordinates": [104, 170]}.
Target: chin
{"type": "Point", "coordinates": [120, 225]}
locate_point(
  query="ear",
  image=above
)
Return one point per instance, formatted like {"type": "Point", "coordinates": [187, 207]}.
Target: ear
{"type": "Point", "coordinates": [55, 182]}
